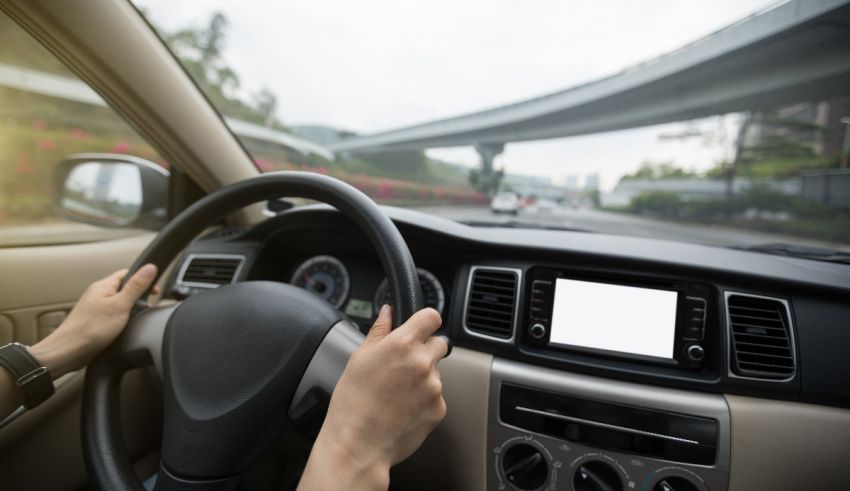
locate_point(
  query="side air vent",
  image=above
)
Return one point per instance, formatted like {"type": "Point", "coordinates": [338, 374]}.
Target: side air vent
{"type": "Point", "coordinates": [761, 337]}
{"type": "Point", "coordinates": [491, 302]}
{"type": "Point", "coordinates": [210, 270]}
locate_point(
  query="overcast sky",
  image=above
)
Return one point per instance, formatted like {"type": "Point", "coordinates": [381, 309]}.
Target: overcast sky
{"type": "Point", "coordinates": [373, 65]}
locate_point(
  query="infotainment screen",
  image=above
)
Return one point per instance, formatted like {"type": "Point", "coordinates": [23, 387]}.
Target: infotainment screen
{"type": "Point", "coordinates": [627, 319]}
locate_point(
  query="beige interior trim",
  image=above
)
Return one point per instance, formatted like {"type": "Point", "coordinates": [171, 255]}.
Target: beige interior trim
{"type": "Point", "coordinates": [42, 276]}
{"type": "Point", "coordinates": [41, 450]}
{"type": "Point", "coordinates": [454, 455]}
{"type": "Point", "coordinates": [110, 46]}
{"type": "Point", "coordinates": [788, 445]}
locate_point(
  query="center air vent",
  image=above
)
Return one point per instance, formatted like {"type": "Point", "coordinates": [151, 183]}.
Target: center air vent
{"type": "Point", "coordinates": [761, 337]}
{"type": "Point", "coordinates": [491, 302]}
{"type": "Point", "coordinates": [209, 270]}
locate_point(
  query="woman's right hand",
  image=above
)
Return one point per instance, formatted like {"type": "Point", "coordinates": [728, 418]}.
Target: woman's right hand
{"type": "Point", "coordinates": [388, 399]}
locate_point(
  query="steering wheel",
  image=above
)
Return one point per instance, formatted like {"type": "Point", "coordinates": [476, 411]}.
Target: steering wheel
{"type": "Point", "coordinates": [239, 363]}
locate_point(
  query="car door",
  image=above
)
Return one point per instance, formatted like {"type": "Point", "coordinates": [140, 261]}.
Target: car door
{"type": "Point", "coordinates": [46, 262]}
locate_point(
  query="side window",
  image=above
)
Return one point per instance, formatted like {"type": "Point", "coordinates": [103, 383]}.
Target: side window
{"type": "Point", "coordinates": [46, 115]}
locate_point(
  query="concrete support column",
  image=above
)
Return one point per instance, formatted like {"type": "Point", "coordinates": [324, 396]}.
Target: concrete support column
{"type": "Point", "coordinates": [487, 179]}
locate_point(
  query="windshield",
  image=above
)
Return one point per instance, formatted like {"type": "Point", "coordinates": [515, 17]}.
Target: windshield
{"type": "Point", "coordinates": [708, 122]}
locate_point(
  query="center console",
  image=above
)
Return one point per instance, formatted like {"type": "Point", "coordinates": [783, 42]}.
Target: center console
{"type": "Point", "coordinates": [554, 430]}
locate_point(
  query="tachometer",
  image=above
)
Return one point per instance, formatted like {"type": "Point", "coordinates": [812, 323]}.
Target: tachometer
{"type": "Point", "coordinates": [325, 276]}
{"type": "Point", "coordinates": [432, 292]}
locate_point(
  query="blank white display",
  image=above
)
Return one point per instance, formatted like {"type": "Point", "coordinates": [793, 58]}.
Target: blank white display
{"type": "Point", "coordinates": [613, 317]}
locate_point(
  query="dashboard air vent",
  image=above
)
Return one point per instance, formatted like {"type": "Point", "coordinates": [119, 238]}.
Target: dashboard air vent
{"type": "Point", "coordinates": [491, 304]}
{"type": "Point", "coordinates": [210, 270]}
{"type": "Point", "coordinates": [760, 333]}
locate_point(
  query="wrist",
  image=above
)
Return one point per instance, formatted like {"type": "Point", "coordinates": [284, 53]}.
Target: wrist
{"type": "Point", "coordinates": [55, 356]}
{"type": "Point", "coordinates": [333, 462]}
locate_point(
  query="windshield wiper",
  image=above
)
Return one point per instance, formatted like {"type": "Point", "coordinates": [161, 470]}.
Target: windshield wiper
{"type": "Point", "coordinates": [803, 252]}
{"type": "Point", "coordinates": [521, 224]}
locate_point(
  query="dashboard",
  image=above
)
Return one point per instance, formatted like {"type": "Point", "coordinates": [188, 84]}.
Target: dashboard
{"type": "Point", "coordinates": [612, 355]}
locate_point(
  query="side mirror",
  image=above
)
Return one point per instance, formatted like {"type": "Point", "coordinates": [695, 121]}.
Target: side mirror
{"type": "Point", "coordinates": [109, 190]}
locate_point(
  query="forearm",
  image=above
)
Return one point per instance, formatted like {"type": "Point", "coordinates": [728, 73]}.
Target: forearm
{"type": "Point", "coordinates": [332, 467]}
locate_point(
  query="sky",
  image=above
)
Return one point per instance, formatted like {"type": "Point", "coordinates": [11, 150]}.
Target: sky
{"type": "Point", "coordinates": [373, 65]}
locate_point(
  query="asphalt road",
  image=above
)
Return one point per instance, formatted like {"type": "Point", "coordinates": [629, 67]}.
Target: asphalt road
{"type": "Point", "coordinates": [624, 224]}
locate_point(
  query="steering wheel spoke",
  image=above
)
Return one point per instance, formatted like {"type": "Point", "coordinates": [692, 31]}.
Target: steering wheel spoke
{"type": "Point", "coordinates": [325, 367]}
{"type": "Point", "coordinates": [141, 342]}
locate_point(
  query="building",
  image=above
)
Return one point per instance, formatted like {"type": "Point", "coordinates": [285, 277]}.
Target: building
{"type": "Point", "coordinates": [815, 125]}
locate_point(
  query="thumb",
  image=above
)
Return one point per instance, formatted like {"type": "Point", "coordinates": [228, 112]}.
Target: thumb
{"type": "Point", "coordinates": [138, 283]}
{"type": "Point", "coordinates": [382, 326]}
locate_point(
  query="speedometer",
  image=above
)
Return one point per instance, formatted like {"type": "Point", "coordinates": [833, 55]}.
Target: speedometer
{"type": "Point", "coordinates": [325, 276]}
{"type": "Point", "coordinates": [432, 292]}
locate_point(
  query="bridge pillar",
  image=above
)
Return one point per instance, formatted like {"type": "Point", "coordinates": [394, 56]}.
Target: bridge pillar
{"type": "Point", "coordinates": [487, 179]}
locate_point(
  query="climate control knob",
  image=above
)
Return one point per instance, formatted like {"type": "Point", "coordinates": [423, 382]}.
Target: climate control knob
{"type": "Point", "coordinates": [525, 467]}
{"type": "Point", "coordinates": [596, 476]}
{"type": "Point", "coordinates": [675, 483]}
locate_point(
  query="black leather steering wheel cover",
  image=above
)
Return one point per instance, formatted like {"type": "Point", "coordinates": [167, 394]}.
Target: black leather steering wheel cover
{"type": "Point", "coordinates": [103, 446]}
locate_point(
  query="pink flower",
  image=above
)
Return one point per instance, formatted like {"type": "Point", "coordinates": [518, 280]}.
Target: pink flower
{"type": "Point", "coordinates": [264, 165]}
{"type": "Point", "coordinates": [80, 134]}
{"type": "Point", "coordinates": [120, 147]}
{"type": "Point", "coordinates": [385, 190]}
{"type": "Point", "coordinates": [46, 144]}
{"type": "Point", "coordinates": [40, 124]}
{"type": "Point", "coordinates": [23, 169]}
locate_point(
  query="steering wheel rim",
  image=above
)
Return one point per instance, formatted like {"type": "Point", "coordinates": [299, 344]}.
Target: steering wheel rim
{"type": "Point", "coordinates": [103, 448]}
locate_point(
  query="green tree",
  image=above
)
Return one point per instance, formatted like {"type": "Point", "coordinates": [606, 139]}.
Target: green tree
{"type": "Point", "coordinates": [201, 52]}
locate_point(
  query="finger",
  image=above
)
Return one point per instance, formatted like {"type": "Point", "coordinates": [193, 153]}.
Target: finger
{"type": "Point", "coordinates": [113, 281]}
{"type": "Point", "coordinates": [382, 326]}
{"type": "Point", "coordinates": [138, 283]}
{"type": "Point", "coordinates": [422, 324]}
{"type": "Point", "coordinates": [437, 347]}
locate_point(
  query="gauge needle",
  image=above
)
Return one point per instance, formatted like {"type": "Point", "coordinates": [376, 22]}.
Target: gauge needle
{"type": "Point", "coordinates": [309, 280]}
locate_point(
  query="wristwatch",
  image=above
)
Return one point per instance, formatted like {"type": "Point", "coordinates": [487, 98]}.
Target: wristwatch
{"type": "Point", "coordinates": [34, 380]}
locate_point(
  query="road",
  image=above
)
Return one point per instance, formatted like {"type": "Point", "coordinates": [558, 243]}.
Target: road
{"type": "Point", "coordinates": [624, 224]}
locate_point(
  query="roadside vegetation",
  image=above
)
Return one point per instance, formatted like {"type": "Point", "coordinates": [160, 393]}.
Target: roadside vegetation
{"type": "Point", "coordinates": [38, 131]}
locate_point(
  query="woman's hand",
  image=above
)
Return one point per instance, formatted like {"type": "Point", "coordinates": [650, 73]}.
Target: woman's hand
{"type": "Point", "coordinates": [94, 322]}
{"type": "Point", "coordinates": [387, 401]}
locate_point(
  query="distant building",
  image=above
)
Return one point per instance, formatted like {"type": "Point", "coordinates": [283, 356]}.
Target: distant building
{"type": "Point", "coordinates": [813, 124]}
{"type": "Point", "coordinates": [571, 182]}
{"type": "Point", "coordinates": [591, 182]}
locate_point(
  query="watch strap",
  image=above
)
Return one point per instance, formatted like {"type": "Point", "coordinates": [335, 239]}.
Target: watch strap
{"type": "Point", "coordinates": [34, 380]}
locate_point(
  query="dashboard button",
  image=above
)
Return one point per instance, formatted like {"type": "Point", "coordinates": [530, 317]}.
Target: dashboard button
{"type": "Point", "coordinates": [537, 331]}
{"type": "Point", "coordinates": [695, 352]}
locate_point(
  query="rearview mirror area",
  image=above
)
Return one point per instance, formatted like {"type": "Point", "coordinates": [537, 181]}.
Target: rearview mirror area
{"type": "Point", "coordinates": [117, 191]}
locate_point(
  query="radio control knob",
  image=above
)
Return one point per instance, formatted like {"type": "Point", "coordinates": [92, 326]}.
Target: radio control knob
{"type": "Point", "coordinates": [695, 352]}
{"type": "Point", "coordinates": [537, 331]}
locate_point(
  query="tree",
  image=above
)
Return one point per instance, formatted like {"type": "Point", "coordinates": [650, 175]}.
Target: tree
{"type": "Point", "coordinates": [201, 52]}
{"type": "Point", "coordinates": [659, 170]}
{"type": "Point", "coordinates": [265, 102]}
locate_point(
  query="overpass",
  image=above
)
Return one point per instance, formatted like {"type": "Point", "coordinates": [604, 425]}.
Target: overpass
{"type": "Point", "coordinates": [794, 51]}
